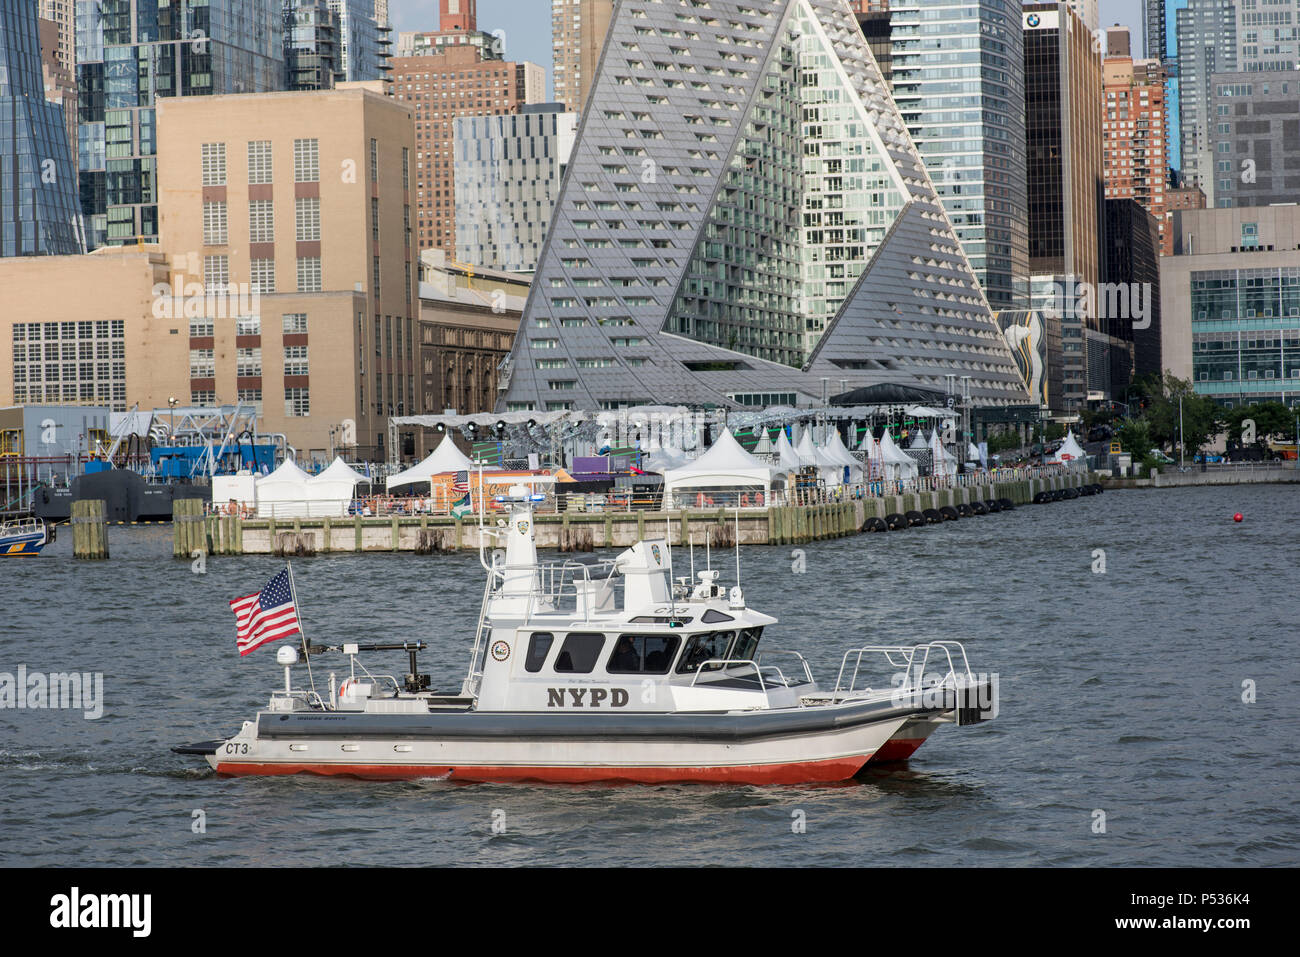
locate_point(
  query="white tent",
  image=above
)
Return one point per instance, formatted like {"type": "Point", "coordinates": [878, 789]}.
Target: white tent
{"type": "Point", "coordinates": [897, 465]}
{"type": "Point", "coordinates": [944, 461]}
{"type": "Point", "coordinates": [787, 459]}
{"type": "Point", "coordinates": [284, 493]}
{"type": "Point", "coordinates": [331, 492]}
{"type": "Point", "coordinates": [445, 458]}
{"type": "Point", "coordinates": [725, 466]}
{"type": "Point", "coordinates": [837, 452]}
{"type": "Point", "coordinates": [919, 441]}
{"type": "Point", "coordinates": [664, 458]}
{"type": "Point", "coordinates": [764, 446]}
{"type": "Point", "coordinates": [832, 472]}
{"type": "Point", "coordinates": [873, 464]}
{"type": "Point", "coordinates": [1071, 453]}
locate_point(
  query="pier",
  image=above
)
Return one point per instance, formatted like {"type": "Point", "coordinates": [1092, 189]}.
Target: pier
{"type": "Point", "coordinates": [570, 531]}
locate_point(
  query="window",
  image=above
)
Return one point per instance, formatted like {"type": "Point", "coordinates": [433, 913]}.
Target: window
{"type": "Point", "coordinates": [248, 363]}
{"type": "Point", "coordinates": [642, 654]}
{"type": "Point", "coordinates": [261, 221]}
{"type": "Point", "coordinates": [295, 323]}
{"type": "Point", "coordinates": [202, 398]}
{"type": "Point", "coordinates": [262, 274]}
{"type": "Point", "coordinates": [295, 360]}
{"type": "Point", "coordinates": [259, 162]}
{"type": "Point", "coordinates": [297, 403]}
{"type": "Point", "coordinates": [307, 214]}
{"type": "Point", "coordinates": [306, 161]}
{"type": "Point", "coordinates": [309, 279]}
{"type": "Point", "coordinates": [216, 272]}
{"type": "Point", "coordinates": [214, 164]}
{"type": "Point", "coordinates": [248, 326]}
{"type": "Point", "coordinates": [702, 648]}
{"type": "Point", "coordinates": [579, 653]}
{"type": "Point", "coordinates": [251, 397]}
{"type": "Point", "coordinates": [203, 364]}
{"type": "Point", "coordinates": [374, 161]}
{"type": "Point", "coordinates": [539, 645]}
{"type": "Point", "coordinates": [200, 326]}
{"type": "Point", "coordinates": [214, 224]}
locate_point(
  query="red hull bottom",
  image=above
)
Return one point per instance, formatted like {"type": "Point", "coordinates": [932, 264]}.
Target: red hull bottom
{"type": "Point", "coordinates": [896, 749]}
{"type": "Point", "coordinates": [839, 769]}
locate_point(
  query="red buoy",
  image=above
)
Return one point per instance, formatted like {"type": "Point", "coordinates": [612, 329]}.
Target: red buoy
{"type": "Point", "coordinates": [1238, 517]}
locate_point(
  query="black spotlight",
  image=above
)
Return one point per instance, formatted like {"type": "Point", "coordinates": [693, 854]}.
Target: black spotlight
{"type": "Point", "coordinates": [500, 426]}
{"type": "Point", "coordinates": [441, 428]}
{"type": "Point", "coordinates": [532, 423]}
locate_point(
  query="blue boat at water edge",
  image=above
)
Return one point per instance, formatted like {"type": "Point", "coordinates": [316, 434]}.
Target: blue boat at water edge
{"type": "Point", "coordinates": [23, 537]}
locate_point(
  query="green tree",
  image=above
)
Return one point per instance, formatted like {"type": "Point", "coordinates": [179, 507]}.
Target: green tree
{"type": "Point", "coordinates": [1176, 410]}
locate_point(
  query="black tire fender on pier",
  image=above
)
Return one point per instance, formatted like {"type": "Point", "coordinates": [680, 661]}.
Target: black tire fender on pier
{"type": "Point", "coordinates": [896, 522]}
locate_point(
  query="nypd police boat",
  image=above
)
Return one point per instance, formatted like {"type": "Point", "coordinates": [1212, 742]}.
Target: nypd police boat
{"type": "Point", "coordinates": [609, 670]}
{"type": "Point", "coordinates": [23, 537]}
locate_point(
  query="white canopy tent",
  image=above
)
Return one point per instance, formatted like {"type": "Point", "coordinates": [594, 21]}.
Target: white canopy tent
{"type": "Point", "coordinates": [284, 493]}
{"type": "Point", "coordinates": [332, 491]}
{"type": "Point", "coordinates": [726, 466]}
{"type": "Point", "coordinates": [764, 446]}
{"type": "Point", "coordinates": [1071, 453]}
{"type": "Point", "coordinates": [787, 458]}
{"type": "Point", "coordinates": [945, 463]}
{"type": "Point", "coordinates": [837, 452]}
{"type": "Point", "coordinates": [445, 458]}
{"type": "Point", "coordinates": [897, 465]}
{"type": "Point", "coordinates": [919, 441]}
{"type": "Point", "coordinates": [664, 458]}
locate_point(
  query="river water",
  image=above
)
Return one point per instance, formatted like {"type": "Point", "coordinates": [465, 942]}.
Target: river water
{"type": "Point", "coordinates": [1127, 734]}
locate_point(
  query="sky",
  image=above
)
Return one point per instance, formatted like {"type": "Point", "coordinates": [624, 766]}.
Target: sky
{"type": "Point", "coordinates": [527, 23]}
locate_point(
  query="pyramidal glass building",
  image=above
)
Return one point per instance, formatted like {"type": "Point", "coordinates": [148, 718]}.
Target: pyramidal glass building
{"type": "Point", "coordinates": [39, 215]}
{"type": "Point", "coordinates": [745, 221]}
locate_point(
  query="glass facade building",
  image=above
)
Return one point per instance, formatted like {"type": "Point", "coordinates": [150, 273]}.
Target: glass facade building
{"type": "Point", "coordinates": [130, 53]}
{"type": "Point", "coordinates": [1246, 334]}
{"type": "Point", "coordinates": [310, 44]}
{"type": "Point", "coordinates": [958, 73]}
{"type": "Point", "coordinates": [362, 46]}
{"type": "Point", "coordinates": [38, 188]}
{"type": "Point", "coordinates": [508, 174]}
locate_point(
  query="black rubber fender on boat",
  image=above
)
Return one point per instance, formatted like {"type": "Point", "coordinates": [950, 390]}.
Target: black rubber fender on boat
{"type": "Point", "coordinates": [949, 513]}
{"type": "Point", "coordinates": [874, 524]}
{"type": "Point", "coordinates": [933, 516]}
{"type": "Point", "coordinates": [1007, 504]}
{"type": "Point", "coordinates": [915, 519]}
{"type": "Point", "coordinates": [896, 522]}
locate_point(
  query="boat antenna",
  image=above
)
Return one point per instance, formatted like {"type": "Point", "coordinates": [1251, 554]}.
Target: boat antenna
{"type": "Point", "coordinates": [737, 547]}
{"type": "Point", "coordinates": [297, 613]}
{"type": "Point", "coordinates": [668, 542]}
{"type": "Point", "coordinates": [692, 544]}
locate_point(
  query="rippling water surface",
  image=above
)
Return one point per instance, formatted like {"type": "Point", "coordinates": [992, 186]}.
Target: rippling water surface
{"type": "Point", "coordinates": [1121, 693]}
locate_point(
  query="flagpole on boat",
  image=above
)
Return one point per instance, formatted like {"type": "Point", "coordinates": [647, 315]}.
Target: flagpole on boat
{"type": "Point", "coordinates": [297, 613]}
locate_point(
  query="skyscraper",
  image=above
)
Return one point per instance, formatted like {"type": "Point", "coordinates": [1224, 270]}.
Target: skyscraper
{"type": "Point", "coordinates": [508, 173]}
{"type": "Point", "coordinates": [311, 54]}
{"type": "Point", "coordinates": [1153, 34]}
{"type": "Point", "coordinates": [132, 53]}
{"type": "Point", "coordinates": [759, 181]}
{"type": "Point", "coordinates": [362, 48]}
{"type": "Point", "coordinates": [1136, 132]}
{"type": "Point", "coordinates": [38, 190]}
{"type": "Point", "coordinates": [965, 111]}
{"type": "Point", "coordinates": [442, 76]}
{"type": "Point", "coordinates": [1063, 132]}
{"type": "Point", "coordinates": [1207, 44]}
{"type": "Point", "coordinates": [1256, 138]}
{"type": "Point", "coordinates": [578, 29]}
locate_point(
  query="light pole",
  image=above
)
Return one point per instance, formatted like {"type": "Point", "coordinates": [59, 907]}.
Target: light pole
{"type": "Point", "coordinates": [171, 430]}
{"type": "Point", "coordinates": [1181, 444]}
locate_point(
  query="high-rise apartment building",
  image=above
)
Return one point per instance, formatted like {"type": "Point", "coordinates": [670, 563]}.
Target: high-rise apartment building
{"type": "Point", "coordinates": [1136, 158]}
{"type": "Point", "coordinates": [295, 211]}
{"type": "Point", "coordinates": [1063, 119]}
{"type": "Point", "coordinates": [508, 171]}
{"type": "Point", "coordinates": [1207, 44]}
{"type": "Point", "coordinates": [133, 53]}
{"type": "Point", "coordinates": [362, 47]}
{"type": "Point", "coordinates": [578, 29]}
{"type": "Point", "coordinates": [310, 44]}
{"type": "Point", "coordinates": [1132, 260]}
{"type": "Point", "coordinates": [38, 186]}
{"type": "Point", "coordinates": [743, 187]}
{"type": "Point", "coordinates": [59, 80]}
{"type": "Point", "coordinates": [1153, 32]}
{"type": "Point", "coordinates": [1256, 130]}
{"type": "Point", "coordinates": [447, 76]}
{"type": "Point", "coordinates": [965, 112]}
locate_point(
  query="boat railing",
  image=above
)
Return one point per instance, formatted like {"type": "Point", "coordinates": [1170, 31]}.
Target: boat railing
{"type": "Point", "coordinates": [911, 661]}
{"type": "Point", "coordinates": [803, 662]}
{"type": "Point", "coordinates": [566, 585]}
{"type": "Point", "coordinates": [20, 526]}
{"type": "Point", "coordinates": [724, 663]}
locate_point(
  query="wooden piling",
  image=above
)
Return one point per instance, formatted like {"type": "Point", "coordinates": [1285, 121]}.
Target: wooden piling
{"type": "Point", "coordinates": [89, 530]}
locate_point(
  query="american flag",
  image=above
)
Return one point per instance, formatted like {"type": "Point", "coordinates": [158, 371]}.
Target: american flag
{"type": "Point", "coordinates": [460, 500]}
{"type": "Point", "coordinates": [266, 615]}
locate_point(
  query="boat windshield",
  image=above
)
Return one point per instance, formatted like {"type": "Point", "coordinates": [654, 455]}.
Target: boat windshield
{"type": "Point", "coordinates": [719, 645]}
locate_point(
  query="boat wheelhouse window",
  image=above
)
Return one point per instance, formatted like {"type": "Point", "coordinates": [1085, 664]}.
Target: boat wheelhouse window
{"type": "Point", "coordinates": [713, 616]}
{"type": "Point", "coordinates": [676, 622]}
{"type": "Point", "coordinates": [539, 645]}
{"type": "Point", "coordinates": [579, 652]}
{"type": "Point", "coordinates": [643, 654]}
{"type": "Point", "coordinates": [747, 644]}
{"type": "Point", "coordinates": [706, 647]}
